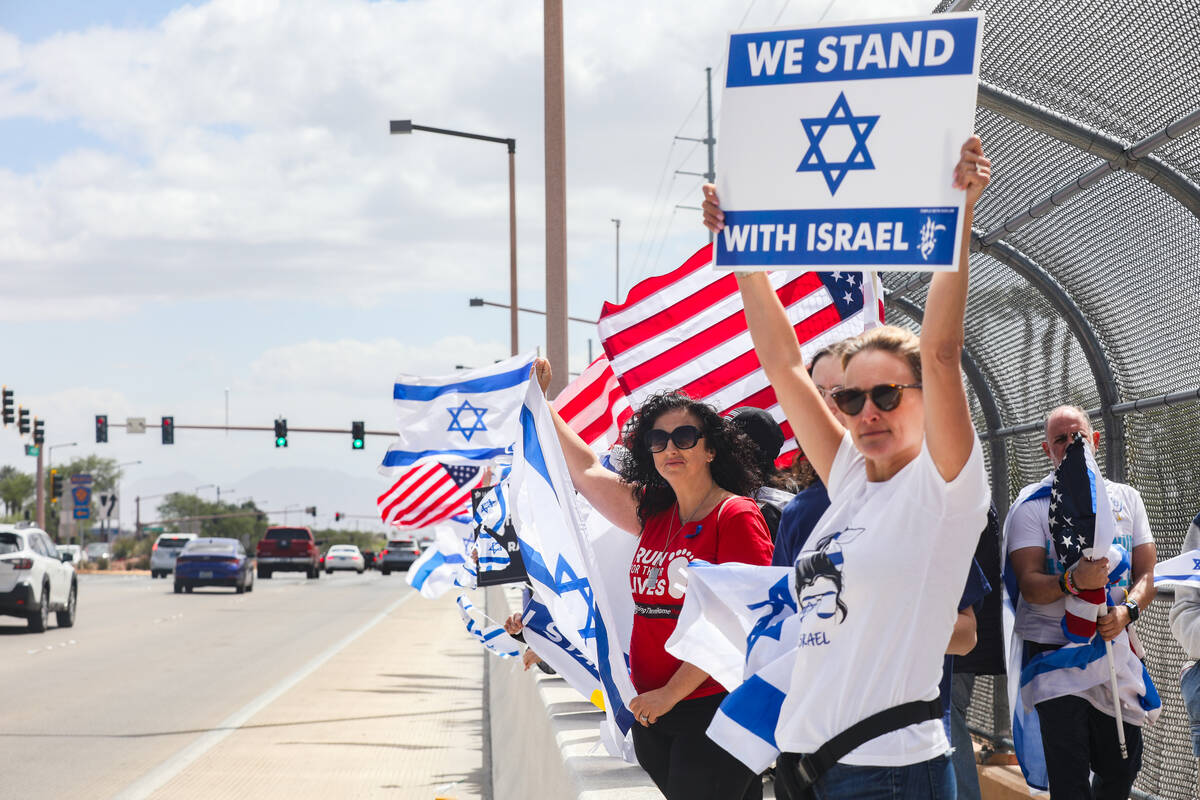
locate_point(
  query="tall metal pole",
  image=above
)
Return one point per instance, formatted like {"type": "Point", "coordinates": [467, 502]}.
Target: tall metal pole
{"type": "Point", "coordinates": [617, 271]}
{"type": "Point", "coordinates": [41, 493]}
{"type": "Point", "coordinates": [512, 243]}
{"type": "Point", "coordinates": [711, 175]}
{"type": "Point", "coordinates": [556, 196]}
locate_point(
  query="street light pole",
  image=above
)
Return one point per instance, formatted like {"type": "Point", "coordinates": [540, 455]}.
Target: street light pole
{"type": "Point", "coordinates": [407, 126]}
{"type": "Point", "coordinates": [556, 195]}
{"type": "Point", "coordinates": [41, 489]}
{"type": "Point", "coordinates": [617, 270]}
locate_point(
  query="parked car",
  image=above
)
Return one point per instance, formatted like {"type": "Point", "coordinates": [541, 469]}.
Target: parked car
{"type": "Point", "coordinates": [214, 562]}
{"type": "Point", "coordinates": [98, 550]}
{"type": "Point", "coordinates": [285, 549]}
{"type": "Point", "coordinates": [74, 551]}
{"type": "Point", "coordinates": [400, 553]}
{"type": "Point", "coordinates": [35, 579]}
{"type": "Point", "coordinates": [166, 549]}
{"type": "Point", "coordinates": [344, 556]}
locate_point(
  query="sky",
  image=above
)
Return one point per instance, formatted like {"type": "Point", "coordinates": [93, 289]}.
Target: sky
{"type": "Point", "coordinates": [201, 200]}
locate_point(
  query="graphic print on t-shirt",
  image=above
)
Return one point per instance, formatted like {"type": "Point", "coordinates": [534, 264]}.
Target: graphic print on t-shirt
{"type": "Point", "coordinates": [658, 575]}
{"type": "Point", "coordinates": [819, 577]}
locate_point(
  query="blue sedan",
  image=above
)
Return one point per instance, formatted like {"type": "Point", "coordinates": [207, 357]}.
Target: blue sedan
{"type": "Point", "coordinates": [214, 562]}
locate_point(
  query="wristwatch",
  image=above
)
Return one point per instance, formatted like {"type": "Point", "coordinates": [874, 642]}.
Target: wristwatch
{"type": "Point", "coordinates": [1134, 610]}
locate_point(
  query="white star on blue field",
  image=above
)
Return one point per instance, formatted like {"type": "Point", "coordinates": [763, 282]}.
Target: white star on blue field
{"type": "Point", "coordinates": [859, 158]}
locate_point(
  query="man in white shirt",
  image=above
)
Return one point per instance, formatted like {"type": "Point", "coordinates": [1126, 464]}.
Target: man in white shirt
{"type": "Point", "coordinates": [1079, 731]}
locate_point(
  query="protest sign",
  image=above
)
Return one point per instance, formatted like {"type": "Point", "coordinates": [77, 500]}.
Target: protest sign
{"type": "Point", "coordinates": [838, 144]}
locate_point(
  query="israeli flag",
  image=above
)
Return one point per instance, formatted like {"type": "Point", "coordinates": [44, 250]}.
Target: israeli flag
{"type": "Point", "coordinates": [572, 664]}
{"type": "Point", "coordinates": [443, 565]}
{"type": "Point", "coordinates": [1182, 570]}
{"type": "Point", "coordinates": [492, 636]}
{"type": "Point", "coordinates": [734, 625]}
{"type": "Point", "coordinates": [561, 560]}
{"type": "Point", "coordinates": [467, 418]}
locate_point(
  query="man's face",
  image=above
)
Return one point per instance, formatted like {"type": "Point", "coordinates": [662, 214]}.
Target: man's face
{"type": "Point", "coordinates": [1060, 431]}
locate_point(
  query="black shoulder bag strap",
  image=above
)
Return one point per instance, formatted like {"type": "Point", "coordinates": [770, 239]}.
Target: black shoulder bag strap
{"type": "Point", "coordinates": [807, 770]}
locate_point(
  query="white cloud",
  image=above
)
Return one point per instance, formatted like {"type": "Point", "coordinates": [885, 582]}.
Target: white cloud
{"type": "Point", "coordinates": [359, 368]}
{"type": "Point", "coordinates": [248, 142]}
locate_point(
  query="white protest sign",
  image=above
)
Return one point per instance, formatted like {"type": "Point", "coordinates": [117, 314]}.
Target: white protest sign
{"type": "Point", "coordinates": [838, 144]}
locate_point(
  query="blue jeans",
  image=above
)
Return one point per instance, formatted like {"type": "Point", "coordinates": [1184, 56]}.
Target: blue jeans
{"type": "Point", "coordinates": [1189, 683]}
{"type": "Point", "coordinates": [926, 780]}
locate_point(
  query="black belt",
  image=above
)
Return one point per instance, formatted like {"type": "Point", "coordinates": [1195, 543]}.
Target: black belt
{"type": "Point", "coordinates": [657, 611]}
{"type": "Point", "coordinates": [806, 770]}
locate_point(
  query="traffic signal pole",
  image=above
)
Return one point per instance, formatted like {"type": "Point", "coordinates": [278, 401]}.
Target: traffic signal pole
{"type": "Point", "coordinates": [41, 493]}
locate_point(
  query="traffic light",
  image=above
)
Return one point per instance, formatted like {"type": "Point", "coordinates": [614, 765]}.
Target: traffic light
{"type": "Point", "coordinates": [56, 486]}
{"type": "Point", "coordinates": [312, 510]}
{"type": "Point", "coordinates": [101, 428]}
{"type": "Point", "coordinates": [8, 406]}
{"type": "Point", "coordinates": [357, 435]}
{"type": "Point", "coordinates": [39, 431]}
{"type": "Point", "coordinates": [337, 516]}
{"type": "Point", "coordinates": [168, 430]}
{"type": "Point", "coordinates": [23, 420]}
{"type": "Point", "coordinates": [281, 432]}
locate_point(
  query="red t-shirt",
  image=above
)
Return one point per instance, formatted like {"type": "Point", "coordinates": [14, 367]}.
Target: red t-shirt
{"type": "Point", "coordinates": [741, 535]}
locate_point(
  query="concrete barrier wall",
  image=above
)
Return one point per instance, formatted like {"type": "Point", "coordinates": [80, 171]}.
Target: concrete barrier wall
{"type": "Point", "coordinates": [545, 738]}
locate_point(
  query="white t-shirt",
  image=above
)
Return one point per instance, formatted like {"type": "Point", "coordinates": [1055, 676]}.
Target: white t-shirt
{"type": "Point", "coordinates": [888, 562]}
{"type": "Point", "coordinates": [1029, 526]}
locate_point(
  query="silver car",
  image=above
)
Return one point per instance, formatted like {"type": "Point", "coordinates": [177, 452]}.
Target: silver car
{"type": "Point", "coordinates": [165, 551]}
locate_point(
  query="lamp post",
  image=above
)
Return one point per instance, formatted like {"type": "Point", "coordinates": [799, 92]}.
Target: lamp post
{"type": "Point", "coordinates": [119, 492]}
{"type": "Point", "coordinates": [479, 301]}
{"type": "Point", "coordinates": [617, 271]}
{"type": "Point", "coordinates": [407, 126]}
{"type": "Point", "coordinates": [41, 490]}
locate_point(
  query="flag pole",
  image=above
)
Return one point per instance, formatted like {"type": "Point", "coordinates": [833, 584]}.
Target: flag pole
{"type": "Point", "coordinates": [1112, 676]}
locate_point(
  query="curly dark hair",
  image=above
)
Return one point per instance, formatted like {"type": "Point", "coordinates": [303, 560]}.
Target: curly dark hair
{"type": "Point", "coordinates": [733, 465]}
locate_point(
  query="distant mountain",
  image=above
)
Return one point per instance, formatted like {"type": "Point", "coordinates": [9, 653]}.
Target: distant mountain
{"type": "Point", "coordinates": [273, 490]}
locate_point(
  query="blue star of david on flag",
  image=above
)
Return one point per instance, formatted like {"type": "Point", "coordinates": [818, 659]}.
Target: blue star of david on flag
{"type": "Point", "coordinates": [457, 420]}
{"type": "Point", "coordinates": [859, 158]}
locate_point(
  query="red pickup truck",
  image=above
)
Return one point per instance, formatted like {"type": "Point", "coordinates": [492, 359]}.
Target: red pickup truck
{"type": "Point", "coordinates": [288, 550]}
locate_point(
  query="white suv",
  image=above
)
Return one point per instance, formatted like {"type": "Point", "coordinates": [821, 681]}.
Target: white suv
{"type": "Point", "coordinates": [34, 579]}
{"type": "Point", "coordinates": [167, 548]}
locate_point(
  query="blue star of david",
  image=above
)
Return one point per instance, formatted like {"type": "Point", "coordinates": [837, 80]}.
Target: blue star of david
{"type": "Point", "coordinates": [815, 127]}
{"type": "Point", "coordinates": [456, 423]}
{"type": "Point", "coordinates": [771, 623]}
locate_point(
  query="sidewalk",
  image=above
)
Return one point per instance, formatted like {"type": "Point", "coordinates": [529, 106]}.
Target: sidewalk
{"type": "Point", "coordinates": [396, 714]}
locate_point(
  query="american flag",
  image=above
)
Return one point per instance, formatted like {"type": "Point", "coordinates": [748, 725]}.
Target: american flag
{"type": "Point", "coordinates": [687, 330]}
{"type": "Point", "coordinates": [429, 493]}
{"type": "Point", "coordinates": [1073, 530]}
{"type": "Point", "coordinates": [594, 405]}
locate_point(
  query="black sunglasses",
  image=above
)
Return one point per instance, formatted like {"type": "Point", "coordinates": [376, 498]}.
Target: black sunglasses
{"type": "Point", "coordinates": [684, 437]}
{"type": "Point", "coordinates": [885, 396]}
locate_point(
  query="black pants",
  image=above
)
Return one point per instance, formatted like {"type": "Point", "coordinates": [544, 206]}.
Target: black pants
{"type": "Point", "coordinates": [687, 765]}
{"type": "Point", "coordinates": [1077, 738]}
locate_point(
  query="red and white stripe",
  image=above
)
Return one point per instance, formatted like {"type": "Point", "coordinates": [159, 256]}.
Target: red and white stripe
{"type": "Point", "coordinates": [1082, 611]}
{"type": "Point", "coordinates": [687, 330]}
{"type": "Point", "coordinates": [594, 405]}
{"type": "Point", "coordinates": [425, 495]}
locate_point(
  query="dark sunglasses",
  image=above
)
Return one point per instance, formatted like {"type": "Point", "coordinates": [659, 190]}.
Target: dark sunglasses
{"type": "Point", "coordinates": [885, 396]}
{"type": "Point", "coordinates": [684, 437]}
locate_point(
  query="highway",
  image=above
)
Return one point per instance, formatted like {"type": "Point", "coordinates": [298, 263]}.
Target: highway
{"type": "Point", "coordinates": [299, 688]}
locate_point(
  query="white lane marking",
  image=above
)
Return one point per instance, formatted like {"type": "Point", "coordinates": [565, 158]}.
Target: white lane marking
{"type": "Point", "coordinates": [156, 778]}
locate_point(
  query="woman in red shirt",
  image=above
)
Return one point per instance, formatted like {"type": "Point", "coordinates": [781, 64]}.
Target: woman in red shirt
{"type": "Point", "coordinates": [683, 490]}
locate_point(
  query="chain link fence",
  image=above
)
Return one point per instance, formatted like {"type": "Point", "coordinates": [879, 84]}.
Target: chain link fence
{"type": "Point", "coordinates": [1087, 298]}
